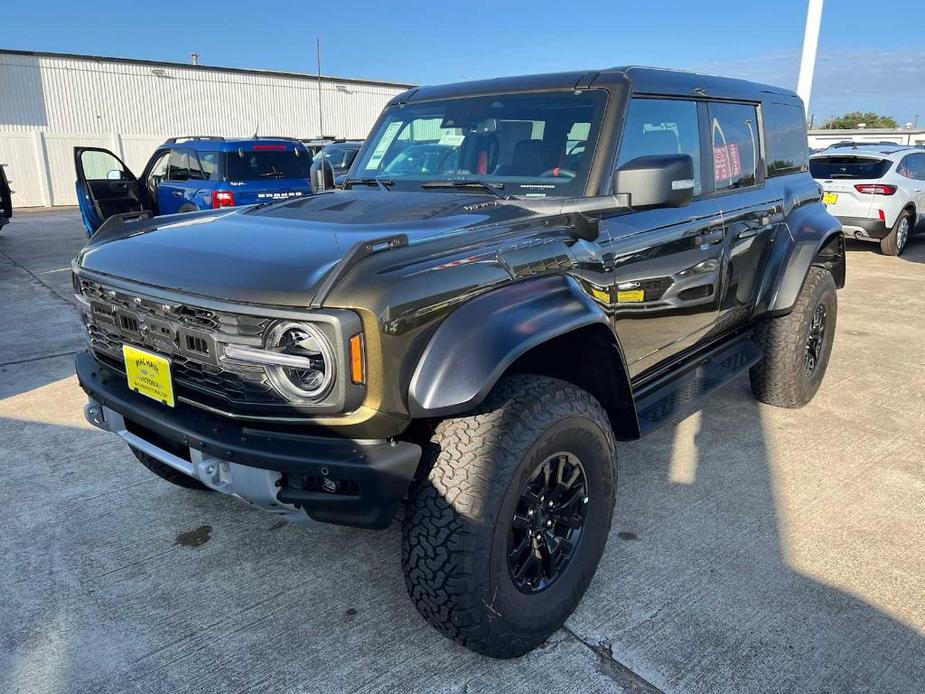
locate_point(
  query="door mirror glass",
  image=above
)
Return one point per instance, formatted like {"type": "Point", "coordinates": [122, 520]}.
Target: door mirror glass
{"type": "Point", "coordinates": [659, 180]}
{"type": "Point", "coordinates": [114, 175]}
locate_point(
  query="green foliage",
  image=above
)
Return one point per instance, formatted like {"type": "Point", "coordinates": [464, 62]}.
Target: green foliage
{"type": "Point", "coordinates": [851, 120]}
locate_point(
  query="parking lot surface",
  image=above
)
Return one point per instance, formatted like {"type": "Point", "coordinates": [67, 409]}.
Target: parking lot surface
{"type": "Point", "coordinates": [753, 548]}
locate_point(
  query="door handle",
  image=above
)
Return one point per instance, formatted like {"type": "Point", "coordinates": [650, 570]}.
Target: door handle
{"type": "Point", "coordinates": [176, 193]}
{"type": "Point", "coordinates": [709, 237]}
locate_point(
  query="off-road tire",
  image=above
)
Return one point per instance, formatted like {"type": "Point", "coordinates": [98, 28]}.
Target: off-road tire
{"type": "Point", "coordinates": [165, 472]}
{"type": "Point", "coordinates": [780, 378]}
{"type": "Point", "coordinates": [461, 508]}
{"type": "Point", "coordinates": [894, 243]}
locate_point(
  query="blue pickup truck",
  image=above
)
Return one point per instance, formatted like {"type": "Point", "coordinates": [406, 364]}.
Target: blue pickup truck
{"type": "Point", "coordinates": [192, 173]}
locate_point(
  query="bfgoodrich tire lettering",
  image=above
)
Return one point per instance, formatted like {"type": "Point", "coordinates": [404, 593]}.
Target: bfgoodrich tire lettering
{"type": "Point", "coordinates": [796, 352]}
{"type": "Point", "coordinates": [456, 530]}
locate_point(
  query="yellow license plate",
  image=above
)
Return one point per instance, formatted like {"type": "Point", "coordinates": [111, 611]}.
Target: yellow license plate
{"type": "Point", "coordinates": [629, 296]}
{"type": "Point", "coordinates": [829, 198]}
{"type": "Point", "coordinates": [148, 374]}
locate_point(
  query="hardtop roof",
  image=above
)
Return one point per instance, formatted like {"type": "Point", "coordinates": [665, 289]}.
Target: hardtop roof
{"type": "Point", "coordinates": [644, 80]}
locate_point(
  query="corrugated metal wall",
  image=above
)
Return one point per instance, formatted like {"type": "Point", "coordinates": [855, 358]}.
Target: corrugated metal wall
{"type": "Point", "coordinates": [49, 104]}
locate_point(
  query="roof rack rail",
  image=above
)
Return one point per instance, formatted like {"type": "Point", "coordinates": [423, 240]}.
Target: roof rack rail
{"type": "Point", "coordinates": [184, 138]}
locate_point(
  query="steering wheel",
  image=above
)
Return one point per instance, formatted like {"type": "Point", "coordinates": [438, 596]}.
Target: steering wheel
{"type": "Point", "coordinates": [558, 172]}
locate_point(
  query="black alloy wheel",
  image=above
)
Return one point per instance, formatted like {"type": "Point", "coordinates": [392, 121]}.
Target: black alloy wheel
{"type": "Point", "coordinates": [547, 522]}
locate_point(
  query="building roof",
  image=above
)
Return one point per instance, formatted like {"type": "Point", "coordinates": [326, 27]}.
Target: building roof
{"type": "Point", "coordinates": [213, 68]}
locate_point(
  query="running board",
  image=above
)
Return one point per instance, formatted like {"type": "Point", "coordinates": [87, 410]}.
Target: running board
{"type": "Point", "coordinates": [659, 402]}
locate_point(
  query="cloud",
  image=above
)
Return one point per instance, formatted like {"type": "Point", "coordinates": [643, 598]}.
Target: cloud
{"type": "Point", "coordinates": [891, 82]}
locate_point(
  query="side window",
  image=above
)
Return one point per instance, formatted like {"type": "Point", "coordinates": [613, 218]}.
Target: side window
{"type": "Point", "coordinates": [904, 167]}
{"type": "Point", "coordinates": [662, 126]}
{"type": "Point", "coordinates": [99, 166]}
{"type": "Point", "coordinates": [734, 139]}
{"type": "Point", "coordinates": [159, 170]}
{"type": "Point", "coordinates": [179, 165]}
{"type": "Point", "coordinates": [195, 171]}
{"type": "Point", "coordinates": [208, 163]}
{"type": "Point", "coordinates": [785, 144]}
{"type": "Point", "coordinates": [912, 166]}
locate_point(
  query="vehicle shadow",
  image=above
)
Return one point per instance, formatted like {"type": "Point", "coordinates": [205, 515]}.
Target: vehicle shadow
{"type": "Point", "coordinates": [914, 252]}
{"type": "Point", "coordinates": [736, 563]}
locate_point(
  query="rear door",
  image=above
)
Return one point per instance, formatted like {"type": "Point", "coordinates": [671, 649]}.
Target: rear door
{"type": "Point", "coordinates": [263, 172]}
{"type": "Point", "coordinates": [173, 188]}
{"type": "Point", "coordinates": [105, 187]}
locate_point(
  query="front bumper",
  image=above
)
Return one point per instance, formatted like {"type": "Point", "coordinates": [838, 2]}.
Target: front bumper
{"type": "Point", "coordinates": [304, 479]}
{"type": "Point", "coordinates": [863, 228]}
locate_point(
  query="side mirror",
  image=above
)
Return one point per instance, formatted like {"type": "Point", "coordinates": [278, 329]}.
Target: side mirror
{"type": "Point", "coordinates": [658, 180]}
{"type": "Point", "coordinates": [322, 175]}
{"type": "Point", "coordinates": [114, 175]}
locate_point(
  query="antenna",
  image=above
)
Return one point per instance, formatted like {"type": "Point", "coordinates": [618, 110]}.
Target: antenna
{"type": "Point", "coordinates": [256, 130]}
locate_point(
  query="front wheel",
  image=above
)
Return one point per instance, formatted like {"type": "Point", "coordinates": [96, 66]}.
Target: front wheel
{"type": "Point", "coordinates": [504, 532]}
{"type": "Point", "coordinates": [797, 345]}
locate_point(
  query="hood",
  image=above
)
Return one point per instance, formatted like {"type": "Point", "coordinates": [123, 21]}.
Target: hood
{"type": "Point", "coordinates": [279, 254]}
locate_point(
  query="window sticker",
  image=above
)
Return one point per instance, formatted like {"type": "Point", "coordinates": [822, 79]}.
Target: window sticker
{"type": "Point", "coordinates": [382, 147]}
{"type": "Point", "coordinates": [451, 139]}
{"type": "Point", "coordinates": [727, 164]}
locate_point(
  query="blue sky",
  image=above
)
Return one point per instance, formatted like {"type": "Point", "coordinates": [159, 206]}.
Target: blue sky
{"type": "Point", "coordinates": [871, 55]}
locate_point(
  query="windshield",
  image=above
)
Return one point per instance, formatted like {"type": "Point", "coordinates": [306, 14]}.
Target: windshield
{"type": "Point", "coordinates": [848, 167]}
{"type": "Point", "coordinates": [339, 156]}
{"type": "Point", "coordinates": [524, 144]}
{"type": "Point", "coordinates": [266, 164]}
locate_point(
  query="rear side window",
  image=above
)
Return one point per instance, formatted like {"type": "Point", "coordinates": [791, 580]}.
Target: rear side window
{"type": "Point", "coordinates": [662, 126]}
{"type": "Point", "coordinates": [179, 166]}
{"type": "Point", "coordinates": [848, 167]}
{"type": "Point", "coordinates": [785, 143]}
{"type": "Point", "coordinates": [262, 165]}
{"type": "Point", "coordinates": [209, 164]}
{"type": "Point", "coordinates": [734, 139]}
{"type": "Point", "coordinates": [912, 166]}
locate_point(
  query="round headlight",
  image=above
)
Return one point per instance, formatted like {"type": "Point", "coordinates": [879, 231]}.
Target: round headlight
{"type": "Point", "coordinates": [311, 381]}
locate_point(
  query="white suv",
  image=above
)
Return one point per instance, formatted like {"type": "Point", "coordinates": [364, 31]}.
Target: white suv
{"type": "Point", "coordinates": [877, 192]}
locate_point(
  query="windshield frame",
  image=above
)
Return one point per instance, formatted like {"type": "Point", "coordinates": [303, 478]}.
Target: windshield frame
{"type": "Point", "coordinates": [598, 148]}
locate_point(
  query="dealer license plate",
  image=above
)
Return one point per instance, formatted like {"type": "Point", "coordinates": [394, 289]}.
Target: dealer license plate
{"type": "Point", "coordinates": [148, 374]}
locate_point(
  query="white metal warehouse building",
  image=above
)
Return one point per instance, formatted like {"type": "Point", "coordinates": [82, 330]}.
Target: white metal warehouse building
{"type": "Point", "coordinates": [51, 102]}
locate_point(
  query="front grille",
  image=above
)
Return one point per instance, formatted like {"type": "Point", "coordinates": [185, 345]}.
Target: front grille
{"type": "Point", "coordinates": [187, 335]}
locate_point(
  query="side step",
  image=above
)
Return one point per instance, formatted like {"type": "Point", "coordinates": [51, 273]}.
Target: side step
{"type": "Point", "coordinates": [660, 401]}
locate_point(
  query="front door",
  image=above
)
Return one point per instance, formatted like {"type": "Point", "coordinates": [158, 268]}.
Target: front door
{"type": "Point", "coordinates": [105, 187]}
{"type": "Point", "coordinates": [667, 261]}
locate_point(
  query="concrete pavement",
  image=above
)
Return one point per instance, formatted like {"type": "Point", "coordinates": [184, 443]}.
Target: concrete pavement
{"type": "Point", "coordinates": [754, 549]}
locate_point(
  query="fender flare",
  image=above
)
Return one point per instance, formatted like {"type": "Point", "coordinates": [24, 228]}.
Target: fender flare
{"type": "Point", "coordinates": [810, 233]}
{"type": "Point", "coordinates": [475, 344]}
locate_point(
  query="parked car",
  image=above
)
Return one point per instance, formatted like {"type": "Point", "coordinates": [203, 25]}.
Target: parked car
{"type": "Point", "coordinates": [190, 173]}
{"type": "Point", "coordinates": [341, 155]}
{"type": "Point", "coordinates": [6, 199]}
{"type": "Point", "coordinates": [473, 343]}
{"type": "Point", "coordinates": [876, 191]}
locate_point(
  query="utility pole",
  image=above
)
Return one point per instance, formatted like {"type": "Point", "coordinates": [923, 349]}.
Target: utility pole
{"type": "Point", "coordinates": [810, 44]}
{"type": "Point", "coordinates": [320, 109]}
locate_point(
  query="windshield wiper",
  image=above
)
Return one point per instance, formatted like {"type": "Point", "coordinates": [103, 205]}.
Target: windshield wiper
{"type": "Point", "coordinates": [383, 183]}
{"type": "Point", "coordinates": [493, 188]}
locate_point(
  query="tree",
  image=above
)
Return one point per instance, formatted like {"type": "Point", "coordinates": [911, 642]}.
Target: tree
{"type": "Point", "coordinates": [853, 119]}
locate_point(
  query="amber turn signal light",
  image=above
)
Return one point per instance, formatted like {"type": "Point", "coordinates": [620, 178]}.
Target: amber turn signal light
{"type": "Point", "coordinates": [357, 359]}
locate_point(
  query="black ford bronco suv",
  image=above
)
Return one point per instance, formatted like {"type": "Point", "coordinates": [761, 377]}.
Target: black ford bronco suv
{"type": "Point", "coordinates": [517, 274]}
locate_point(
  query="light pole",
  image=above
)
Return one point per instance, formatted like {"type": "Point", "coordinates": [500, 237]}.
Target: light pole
{"type": "Point", "coordinates": [810, 44]}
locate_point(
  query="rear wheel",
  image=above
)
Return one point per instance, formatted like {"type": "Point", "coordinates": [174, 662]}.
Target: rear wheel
{"type": "Point", "coordinates": [165, 472]}
{"type": "Point", "coordinates": [797, 345]}
{"type": "Point", "coordinates": [504, 532]}
{"type": "Point", "coordinates": [895, 242]}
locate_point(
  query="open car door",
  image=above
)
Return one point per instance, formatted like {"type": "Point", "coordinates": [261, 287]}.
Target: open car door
{"type": "Point", "coordinates": [6, 199]}
{"type": "Point", "coordinates": [105, 187]}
